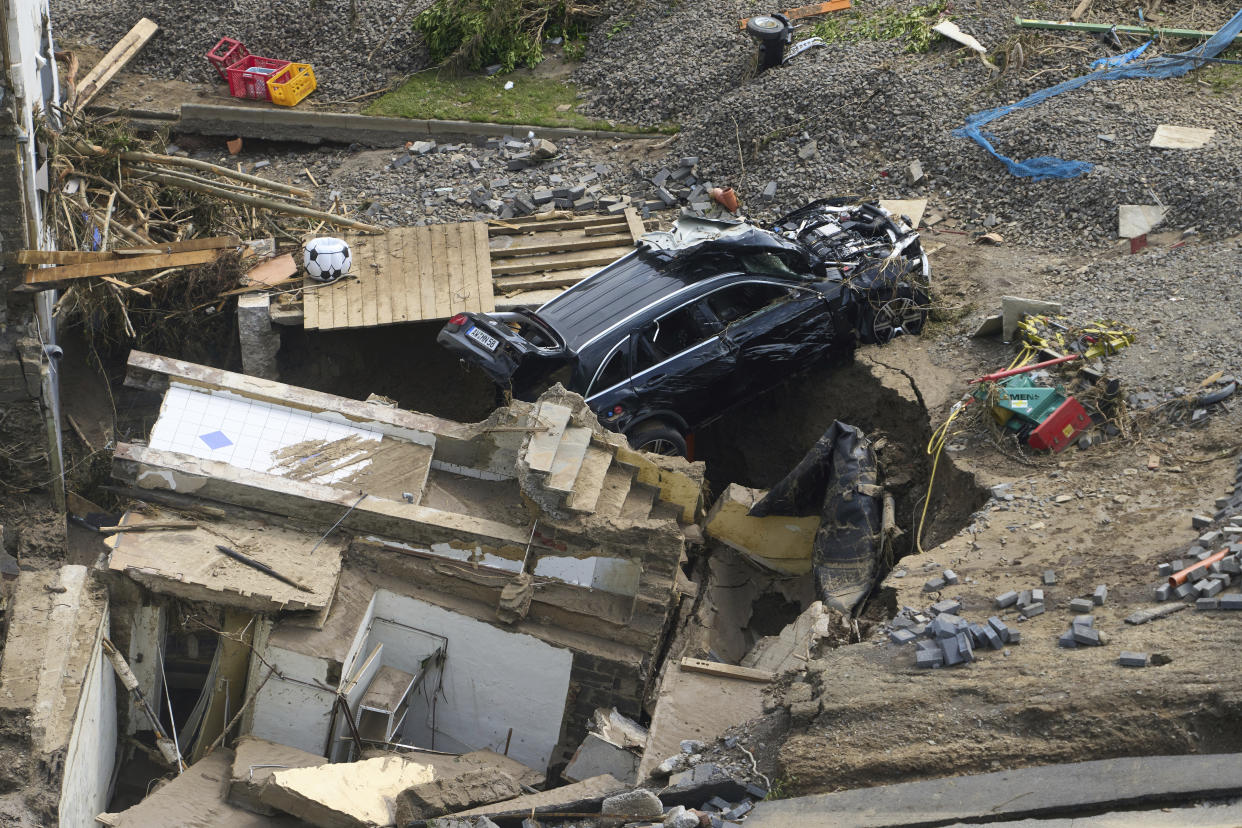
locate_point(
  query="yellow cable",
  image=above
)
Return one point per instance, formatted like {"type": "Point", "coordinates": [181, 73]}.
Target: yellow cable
{"type": "Point", "coordinates": [935, 447]}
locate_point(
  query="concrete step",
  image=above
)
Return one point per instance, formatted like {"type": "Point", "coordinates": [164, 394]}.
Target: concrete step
{"type": "Point", "coordinates": [639, 501]}
{"type": "Point", "coordinates": [567, 462]}
{"type": "Point", "coordinates": [615, 489]}
{"type": "Point", "coordinates": [542, 447]}
{"type": "Point", "coordinates": [590, 482]}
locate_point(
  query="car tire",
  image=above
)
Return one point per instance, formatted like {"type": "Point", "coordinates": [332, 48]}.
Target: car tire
{"type": "Point", "coordinates": [906, 308]}
{"type": "Point", "coordinates": [658, 438]}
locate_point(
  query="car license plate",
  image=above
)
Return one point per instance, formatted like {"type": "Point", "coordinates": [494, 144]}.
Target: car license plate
{"type": "Point", "coordinates": [485, 339]}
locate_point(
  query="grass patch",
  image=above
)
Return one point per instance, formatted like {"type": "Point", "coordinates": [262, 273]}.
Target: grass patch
{"type": "Point", "coordinates": [912, 28]}
{"type": "Point", "coordinates": [1222, 77]}
{"type": "Point", "coordinates": [532, 100]}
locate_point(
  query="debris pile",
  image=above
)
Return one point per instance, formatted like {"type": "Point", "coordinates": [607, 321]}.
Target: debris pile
{"type": "Point", "coordinates": [943, 638]}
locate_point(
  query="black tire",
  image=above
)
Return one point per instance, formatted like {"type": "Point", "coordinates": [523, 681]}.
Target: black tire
{"type": "Point", "coordinates": [658, 438]}
{"type": "Point", "coordinates": [905, 308]}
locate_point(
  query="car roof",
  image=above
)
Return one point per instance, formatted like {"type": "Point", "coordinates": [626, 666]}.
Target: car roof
{"type": "Point", "coordinates": [619, 290]}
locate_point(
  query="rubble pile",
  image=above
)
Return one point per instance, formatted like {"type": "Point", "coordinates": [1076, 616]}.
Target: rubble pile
{"type": "Point", "coordinates": [942, 638]}
{"type": "Point", "coordinates": [354, 48]}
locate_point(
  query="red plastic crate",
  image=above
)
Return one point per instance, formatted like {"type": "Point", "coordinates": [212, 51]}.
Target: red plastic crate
{"type": "Point", "coordinates": [225, 53]}
{"type": "Point", "coordinates": [248, 77]}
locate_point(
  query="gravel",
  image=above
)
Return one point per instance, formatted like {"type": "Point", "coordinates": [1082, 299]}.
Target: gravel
{"type": "Point", "coordinates": [349, 58]}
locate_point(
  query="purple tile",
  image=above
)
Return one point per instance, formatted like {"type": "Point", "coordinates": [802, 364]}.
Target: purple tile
{"type": "Point", "coordinates": [215, 440]}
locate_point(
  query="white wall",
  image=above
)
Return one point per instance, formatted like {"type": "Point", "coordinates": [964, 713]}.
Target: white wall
{"type": "Point", "coordinates": [145, 641]}
{"type": "Point", "coordinates": [493, 681]}
{"type": "Point", "coordinates": [91, 756]}
{"type": "Point", "coordinates": [294, 712]}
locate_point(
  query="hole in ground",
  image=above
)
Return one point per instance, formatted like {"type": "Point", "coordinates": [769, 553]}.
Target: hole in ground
{"type": "Point", "coordinates": [758, 443]}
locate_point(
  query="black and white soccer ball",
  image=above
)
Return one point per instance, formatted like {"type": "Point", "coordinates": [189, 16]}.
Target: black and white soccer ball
{"type": "Point", "coordinates": [326, 259]}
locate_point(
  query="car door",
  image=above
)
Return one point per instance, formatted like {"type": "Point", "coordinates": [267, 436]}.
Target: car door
{"type": "Point", "coordinates": [679, 362]}
{"type": "Point", "coordinates": [774, 328]}
{"type": "Point", "coordinates": [609, 392]}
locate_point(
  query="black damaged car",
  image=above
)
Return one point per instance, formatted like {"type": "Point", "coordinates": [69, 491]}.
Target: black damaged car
{"type": "Point", "coordinates": [707, 316]}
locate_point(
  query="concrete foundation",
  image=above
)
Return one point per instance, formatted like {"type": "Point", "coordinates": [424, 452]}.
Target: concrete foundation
{"type": "Point", "coordinates": [259, 340]}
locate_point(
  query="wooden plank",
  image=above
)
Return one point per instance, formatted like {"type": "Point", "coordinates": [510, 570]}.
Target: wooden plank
{"type": "Point", "coordinates": [439, 274]}
{"type": "Point", "coordinates": [41, 257]}
{"type": "Point", "coordinates": [470, 267]}
{"type": "Point", "coordinates": [634, 223]}
{"type": "Point", "coordinates": [409, 275]}
{"type": "Point", "coordinates": [392, 310]}
{"type": "Point", "coordinates": [715, 668]}
{"type": "Point", "coordinates": [605, 229]}
{"type": "Point", "coordinates": [119, 55]}
{"type": "Point", "coordinates": [559, 261]}
{"type": "Point", "coordinates": [373, 287]}
{"type": "Point", "coordinates": [310, 306]}
{"type": "Point", "coordinates": [506, 285]}
{"type": "Point", "coordinates": [426, 274]}
{"type": "Point", "coordinates": [483, 268]}
{"type": "Point", "coordinates": [111, 268]}
{"type": "Point", "coordinates": [558, 244]}
{"type": "Point", "coordinates": [511, 227]}
{"type": "Point", "coordinates": [459, 291]}
{"type": "Point", "coordinates": [112, 280]}
{"type": "Point", "coordinates": [353, 299]}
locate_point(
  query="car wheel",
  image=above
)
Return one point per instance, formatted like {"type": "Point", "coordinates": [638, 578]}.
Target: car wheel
{"type": "Point", "coordinates": [905, 311]}
{"type": "Point", "coordinates": [656, 437]}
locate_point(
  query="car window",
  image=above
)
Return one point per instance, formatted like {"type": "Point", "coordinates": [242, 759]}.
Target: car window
{"type": "Point", "coordinates": [614, 371]}
{"type": "Point", "coordinates": [769, 264]}
{"type": "Point", "coordinates": [671, 334]}
{"type": "Point", "coordinates": [739, 301]}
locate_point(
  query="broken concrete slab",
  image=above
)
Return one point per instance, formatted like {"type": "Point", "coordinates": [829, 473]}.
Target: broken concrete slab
{"type": "Point", "coordinates": [1013, 308]}
{"type": "Point", "coordinates": [347, 795]}
{"type": "Point", "coordinates": [446, 766]}
{"type": "Point", "coordinates": [699, 784]}
{"type": "Point", "coordinates": [195, 799]}
{"type": "Point", "coordinates": [444, 796]}
{"type": "Point", "coordinates": [788, 651]}
{"type": "Point", "coordinates": [254, 762]}
{"type": "Point", "coordinates": [777, 542]}
{"type": "Point", "coordinates": [187, 564]}
{"type": "Point", "coordinates": [1169, 136]}
{"type": "Point", "coordinates": [1051, 790]}
{"type": "Point", "coordinates": [911, 208]}
{"type": "Point", "coordinates": [597, 756]}
{"type": "Point", "coordinates": [1135, 220]}
{"type": "Point", "coordinates": [579, 797]}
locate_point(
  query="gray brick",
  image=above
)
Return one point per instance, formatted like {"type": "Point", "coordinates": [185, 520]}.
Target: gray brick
{"type": "Point", "coordinates": [1207, 603]}
{"type": "Point", "coordinates": [542, 196]}
{"type": "Point", "coordinates": [929, 658]}
{"type": "Point", "coordinates": [1164, 570]}
{"type": "Point", "coordinates": [965, 647]}
{"type": "Point", "coordinates": [1015, 636]}
{"type": "Point", "coordinates": [1033, 610]}
{"type": "Point", "coordinates": [950, 577]}
{"type": "Point", "coordinates": [1085, 620]}
{"type": "Point", "coordinates": [901, 636]}
{"type": "Point", "coordinates": [1078, 606]}
{"type": "Point", "coordinates": [1164, 592]}
{"type": "Point", "coordinates": [1132, 659]}
{"type": "Point", "coordinates": [1184, 590]}
{"type": "Point", "coordinates": [1086, 636]}
{"type": "Point", "coordinates": [769, 191]}
{"type": "Point", "coordinates": [1231, 565]}
{"type": "Point", "coordinates": [1232, 601]}
{"type": "Point", "coordinates": [1067, 640]}
{"type": "Point", "coordinates": [934, 584]}
{"type": "Point", "coordinates": [1100, 595]}
{"type": "Point", "coordinates": [1025, 598]}
{"type": "Point", "coordinates": [1037, 596]}
{"type": "Point", "coordinates": [1200, 522]}
{"type": "Point", "coordinates": [659, 178]}
{"type": "Point", "coordinates": [1007, 599]}
{"type": "Point", "coordinates": [992, 638]}
{"type": "Point", "coordinates": [951, 649]}
{"type": "Point", "coordinates": [1198, 574]}
{"type": "Point", "coordinates": [948, 605]}
{"type": "Point", "coordinates": [1209, 539]}
{"type": "Point", "coordinates": [1000, 628]}
{"type": "Point", "coordinates": [945, 626]}
{"type": "Point", "coordinates": [1050, 577]}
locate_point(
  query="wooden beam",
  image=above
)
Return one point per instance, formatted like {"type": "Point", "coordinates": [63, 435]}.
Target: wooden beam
{"type": "Point", "coordinates": [112, 280]}
{"type": "Point", "coordinates": [511, 227]}
{"type": "Point", "coordinates": [541, 281]}
{"type": "Point", "coordinates": [123, 265]}
{"type": "Point", "coordinates": [558, 244]}
{"type": "Point", "coordinates": [559, 261]}
{"type": "Point", "coordinates": [635, 224]}
{"type": "Point", "coordinates": [41, 257]}
{"type": "Point", "coordinates": [715, 668]}
{"type": "Point", "coordinates": [605, 229]}
{"type": "Point", "coordinates": [111, 63]}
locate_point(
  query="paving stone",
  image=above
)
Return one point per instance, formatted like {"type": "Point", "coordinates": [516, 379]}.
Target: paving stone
{"type": "Point", "coordinates": [929, 659]}
{"type": "Point", "coordinates": [993, 638]}
{"type": "Point", "coordinates": [1164, 592]}
{"type": "Point", "coordinates": [901, 636]}
{"type": "Point", "coordinates": [1132, 659]}
{"type": "Point", "coordinates": [1033, 610]}
{"type": "Point", "coordinates": [1200, 522]}
{"type": "Point", "coordinates": [965, 647]}
{"type": "Point", "coordinates": [1050, 577]}
{"type": "Point", "coordinates": [1100, 595]}
{"type": "Point", "coordinates": [1207, 603]}
{"type": "Point", "coordinates": [950, 577]}
{"type": "Point", "coordinates": [1232, 601]}
{"type": "Point", "coordinates": [944, 626]}
{"type": "Point", "coordinates": [1184, 590]}
{"type": "Point", "coordinates": [769, 191]}
{"type": "Point", "coordinates": [1209, 539]}
{"type": "Point", "coordinates": [1086, 636]}
{"type": "Point", "coordinates": [1085, 620]}
{"type": "Point", "coordinates": [1007, 599]}
{"type": "Point", "coordinates": [1078, 606]}
{"type": "Point", "coordinates": [1015, 636]}
{"type": "Point", "coordinates": [1164, 570]}
{"type": "Point", "coordinates": [1000, 628]}
{"type": "Point", "coordinates": [1025, 597]}
{"type": "Point", "coordinates": [935, 584]}
{"type": "Point", "coordinates": [951, 650]}
{"type": "Point", "coordinates": [948, 605]}
{"type": "Point", "coordinates": [1067, 640]}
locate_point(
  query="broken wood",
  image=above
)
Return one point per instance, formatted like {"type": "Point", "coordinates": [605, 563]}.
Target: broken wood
{"type": "Point", "coordinates": [57, 257]}
{"type": "Point", "coordinates": [112, 280]}
{"type": "Point", "coordinates": [635, 224]}
{"type": "Point", "coordinates": [152, 526]}
{"type": "Point", "coordinates": [129, 681]}
{"type": "Point", "coordinates": [124, 265]}
{"type": "Point", "coordinates": [541, 281]}
{"type": "Point", "coordinates": [558, 244]}
{"type": "Point", "coordinates": [496, 227]}
{"type": "Point", "coordinates": [265, 203]}
{"type": "Point", "coordinates": [605, 229]}
{"type": "Point", "coordinates": [563, 261]}
{"type": "Point", "coordinates": [111, 63]}
{"type": "Point", "coordinates": [715, 668]}
{"type": "Point", "coordinates": [223, 172]}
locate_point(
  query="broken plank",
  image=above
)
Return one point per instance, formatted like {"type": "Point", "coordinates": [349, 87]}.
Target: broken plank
{"type": "Point", "coordinates": [605, 229]}
{"type": "Point", "coordinates": [119, 55]}
{"type": "Point", "coordinates": [109, 268]}
{"type": "Point", "coordinates": [542, 281]}
{"type": "Point", "coordinates": [1082, 8]}
{"type": "Point", "coordinates": [515, 226]}
{"type": "Point", "coordinates": [635, 224]}
{"type": "Point", "coordinates": [715, 668]}
{"type": "Point", "coordinates": [112, 280]}
{"type": "Point", "coordinates": [559, 261]}
{"type": "Point", "coordinates": [153, 526]}
{"type": "Point", "coordinates": [558, 244]}
{"type": "Point", "coordinates": [57, 257]}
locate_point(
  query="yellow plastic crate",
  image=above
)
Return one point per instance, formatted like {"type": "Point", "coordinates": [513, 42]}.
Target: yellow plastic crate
{"type": "Point", "coordinates": [291, 84]}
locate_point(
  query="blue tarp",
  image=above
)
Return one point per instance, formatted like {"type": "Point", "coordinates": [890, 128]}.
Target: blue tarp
{"type": "Point", "coordinates": [1165, 66]}
{"type": "Point", "coordinates": [1120, 60]}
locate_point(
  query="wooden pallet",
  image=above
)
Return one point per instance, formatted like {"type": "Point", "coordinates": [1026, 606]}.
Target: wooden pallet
{"type": "Point", "coordinates": [408, 274]}
{"type": "Point", "coordinates": [532, 254]}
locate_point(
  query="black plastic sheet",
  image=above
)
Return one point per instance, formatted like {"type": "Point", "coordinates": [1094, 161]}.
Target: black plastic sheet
{"type": "Point", "coordinates": [837, 479]}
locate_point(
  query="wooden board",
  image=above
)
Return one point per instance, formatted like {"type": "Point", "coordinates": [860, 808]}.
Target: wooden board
{"type": "Point", "coordinates": [559, 261]}
{"type": "Point", "coordinates": [111, 63]}
{"type": "Point", "coordinates": [57, 257]}
{"type": "Point", "coordinates": [408, 274]}
{"type": "Point", "coordinates": [121, 265]}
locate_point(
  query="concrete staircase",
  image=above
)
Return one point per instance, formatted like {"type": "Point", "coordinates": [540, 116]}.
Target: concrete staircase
{"type": "Point", "coordinates": [574, 471]}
